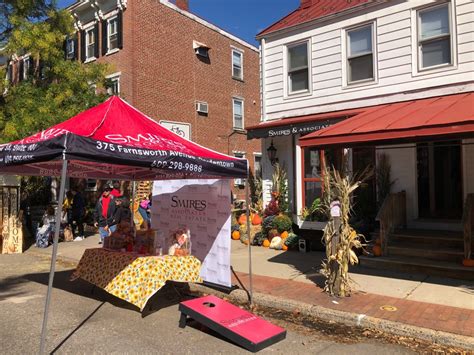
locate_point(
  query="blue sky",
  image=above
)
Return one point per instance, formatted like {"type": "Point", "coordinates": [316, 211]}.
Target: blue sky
{"type": "Point", "coordinates": [243, 18]}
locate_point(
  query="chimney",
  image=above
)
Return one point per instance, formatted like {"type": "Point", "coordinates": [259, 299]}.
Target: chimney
{"type": "Point", "coordinates": [183, 4]}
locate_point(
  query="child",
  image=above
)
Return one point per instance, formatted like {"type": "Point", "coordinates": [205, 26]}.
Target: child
{"type": "Point", "coordinates": [180, 243]}
{"type": "Point", "coordinates": [44, 234]}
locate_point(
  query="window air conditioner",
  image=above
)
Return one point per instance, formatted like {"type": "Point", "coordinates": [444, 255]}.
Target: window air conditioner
{"type": "Point", "coordinates": [202, 107]}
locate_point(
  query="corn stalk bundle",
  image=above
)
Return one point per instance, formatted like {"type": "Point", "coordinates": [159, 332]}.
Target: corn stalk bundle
{"type": "Point", "coordinates": [339, 237]}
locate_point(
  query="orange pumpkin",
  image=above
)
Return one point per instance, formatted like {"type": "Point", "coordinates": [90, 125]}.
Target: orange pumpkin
{"type": "Point", "coordinates": [256, 220]}
{"type": "Point", "coordinates": [235, 235]}
{"type": "Point", "coordinates": [246, 242]}
{"type": "Point", "coordinates": [284, 247]}
{"type": "Point", "coordinates": [377, 250]}
{"type": "Point", "coordinates": [266, 243]}
{"type": "Point", "coordinates": [284, 235]}
{"type": "Point", "coordinates": [242, 219]}
{"type": "Point", "coordinates": [468, 262]}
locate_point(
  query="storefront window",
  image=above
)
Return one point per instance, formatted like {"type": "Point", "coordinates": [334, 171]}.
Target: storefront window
{"type": "Point", "coordinates": [312, 175]}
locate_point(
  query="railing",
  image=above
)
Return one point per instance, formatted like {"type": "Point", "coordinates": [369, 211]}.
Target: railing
{"type": "Point", "coordinates": [468, 223]}
{"type": "Point", "coordinates": [392, 214]}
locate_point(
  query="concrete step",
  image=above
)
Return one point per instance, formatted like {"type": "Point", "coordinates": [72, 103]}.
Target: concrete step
{"type": "Point", "coordinates": [419, 266]}
{"type": "Point", "coordinates": [435, 254]}
{"type": "Point", "coordinates": [427, 239]}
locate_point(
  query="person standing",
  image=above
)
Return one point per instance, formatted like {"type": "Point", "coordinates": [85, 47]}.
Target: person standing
{"type": "Point", "coordinates": [144, 210]}
{"type": "Point", "coordinates": [122, 211]}
{"type": "Point", "coordinates": [78, 213]}
{"type": "Point", "coordinates": [116, 189]}
{"type": "Point", "coordinates": [104, 213]}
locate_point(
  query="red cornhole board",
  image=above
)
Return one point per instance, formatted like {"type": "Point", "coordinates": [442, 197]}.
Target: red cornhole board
{"type": "Point", "coordinates": [243, 328]}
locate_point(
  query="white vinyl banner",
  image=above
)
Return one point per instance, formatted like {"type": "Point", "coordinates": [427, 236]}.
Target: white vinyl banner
{"type": "Point", "coordinates": [203, 207]}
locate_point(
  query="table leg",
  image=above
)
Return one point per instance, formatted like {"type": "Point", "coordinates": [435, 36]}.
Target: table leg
{"type": "Point", "coordinates": [182, 320]}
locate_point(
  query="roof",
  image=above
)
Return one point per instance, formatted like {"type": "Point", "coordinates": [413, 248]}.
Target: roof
{"type": "Point", "coordinates": [315, 9]}
{"type": "Point", "coordinates": [440, 118]}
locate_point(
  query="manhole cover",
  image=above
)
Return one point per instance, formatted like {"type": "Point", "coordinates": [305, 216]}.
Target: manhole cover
{"type": "Point", "coordinates": [388, 308]}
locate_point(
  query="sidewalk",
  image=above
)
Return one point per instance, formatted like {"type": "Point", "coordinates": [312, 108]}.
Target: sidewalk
{"type": "Point", "coordinates": [441, 305]}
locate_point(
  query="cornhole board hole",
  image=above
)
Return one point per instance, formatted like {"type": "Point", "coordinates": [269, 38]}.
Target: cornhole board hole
{"type": "Point", "coordinates": [241, 327]}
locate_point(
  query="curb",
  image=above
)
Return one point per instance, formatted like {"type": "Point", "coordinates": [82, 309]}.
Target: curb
{"type": "Point", "coordinates": [346, 318]}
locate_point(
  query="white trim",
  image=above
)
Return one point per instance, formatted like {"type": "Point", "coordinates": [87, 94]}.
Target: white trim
{"type": "Point", "coordinates": [417, 70]}
{"type": "Point", "coordinates": [115, 77]}
{"type": "Point", "coordinates": [241, 100]}
{"type": "Point", "coordinates": [286, 92]}
{"type": "Point", "coordinates": [236, 50]}
{"type": "Point", "coordinates": [345, 55]}
{"type": "Point", "coordinates": [208, 25]}
{"type": "Point", "coordinates": [262, 80]}
{"type": "Point", "coordinates": [87, 44]}
{"type": "Point", "coordinates": [116, 49]}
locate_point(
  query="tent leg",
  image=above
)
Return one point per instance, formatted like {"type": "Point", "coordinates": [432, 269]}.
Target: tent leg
{"type": "Point", "coordinates": [53, 258]}
{"type": "Point", "coordinates": [247, 201]}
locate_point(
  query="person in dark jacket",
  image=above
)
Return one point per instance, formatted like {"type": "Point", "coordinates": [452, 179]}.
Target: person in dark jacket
{"type": "Point", "coordinates": [122, 211]}
{"type": "Point", "coordinates": [104, 214]}
{"type": "Point", "coordinates": [78, 213]}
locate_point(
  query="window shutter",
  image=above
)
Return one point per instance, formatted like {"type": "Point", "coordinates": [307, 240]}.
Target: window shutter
{"type": "Point", "coordinates": [20, 70]}
{"type": "Point", "coordinates": [83, 46]}
{"type": "Point", "coordinates": [120, 30]}
{"type": "Point", "coordinates": [31, 71]}
{"type": "Point", "coordinates": [96, 44]}
{"type": "Point", "coordinates": [76, 49]}
{"type": "Point", "coordinates": [65, 48]}
{"type": "Point", "coordinates": [104, 37]}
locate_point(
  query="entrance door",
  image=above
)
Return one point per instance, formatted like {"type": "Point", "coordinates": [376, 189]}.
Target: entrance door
{"type": "Point", "coordinates": [439, 180]}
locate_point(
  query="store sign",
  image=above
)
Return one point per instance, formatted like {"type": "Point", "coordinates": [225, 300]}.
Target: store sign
{"type": "Point", "coordinates": [203, 207]}
{"type": "Point", "coordinates": [181, 129]}
{"type": "Point", "coordinates": [290, 129]}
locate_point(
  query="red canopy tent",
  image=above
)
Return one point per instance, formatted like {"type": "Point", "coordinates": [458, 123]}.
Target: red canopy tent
{"type": "Point", "coordinates": [113, 140]}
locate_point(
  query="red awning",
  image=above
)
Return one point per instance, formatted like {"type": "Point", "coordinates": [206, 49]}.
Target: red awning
{"type": "Point", "coordinates": [436, 118]}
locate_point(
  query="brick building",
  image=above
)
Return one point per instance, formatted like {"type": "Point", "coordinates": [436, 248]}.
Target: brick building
{"type": "Point", "coordinates": [175, 67]}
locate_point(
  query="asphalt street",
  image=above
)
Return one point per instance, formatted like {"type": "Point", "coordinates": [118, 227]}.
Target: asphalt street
{"type": "Point", "coordinates": [83, 322]}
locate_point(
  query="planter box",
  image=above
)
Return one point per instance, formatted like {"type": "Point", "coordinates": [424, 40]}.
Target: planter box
{"type": "Point", "coordinates": [309, 225]}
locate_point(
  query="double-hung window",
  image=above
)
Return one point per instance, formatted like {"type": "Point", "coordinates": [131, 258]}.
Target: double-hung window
{"type": "Point", "coordinates": [113, 84]}
{"type": "Point", "coordinates": [90, 43]}
{"type": "Point", "coordinates": [112, 33]}
{"type": "Point", "coordinates": [360, 54]}
{"type": "Point", "coordinates": [238, 112]}
{"type": "Point", "coordinates": [434, 36]}
{"type": "Point", "coordinates": [298, 68]}
{"type": "Point", "coordinates": [237, 65]}
{"type": "Point", "coordinates": [70, 48]}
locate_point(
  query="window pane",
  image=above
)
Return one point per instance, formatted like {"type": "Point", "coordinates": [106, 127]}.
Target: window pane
{"type": "Point", "coordinates": [113, 41]}
{"type": "Point", "coordinates": [436, 53]}
{"type": "Point", "coordinates": [298, 56]}
{"type": "Point", "coordinates": [299, 80]}
{"type": "Point", "coordinates": [90, 51]}
{"type": "Point", "coordinates": [434, 22]}
{"type": "Point", "coordinates": [360, 41]}
{"type": "Point", "coordinates": [237, 72]}
{"type": "Point", "coordinates": [237, 58]}
{"type": "Point", "coordinates": [361, 68]}
{"type": "Point", "coordinates": [312, 192]}
{"type": "Point", "coordinates": [312, 163]}
{"type": "Point", "coordinates": [258, 166]}
{"type": "Point", "coordinates": [237, 107]}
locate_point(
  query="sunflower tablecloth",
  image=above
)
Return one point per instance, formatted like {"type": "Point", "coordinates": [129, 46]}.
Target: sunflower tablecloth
{"type": "Point", "coordinates": [134, 278]}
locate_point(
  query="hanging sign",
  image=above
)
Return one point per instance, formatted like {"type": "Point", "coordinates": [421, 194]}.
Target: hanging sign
{"type": "Point", "coordinates": [203, 207]}
{"type": "Point", "coordinates": [180, 128]}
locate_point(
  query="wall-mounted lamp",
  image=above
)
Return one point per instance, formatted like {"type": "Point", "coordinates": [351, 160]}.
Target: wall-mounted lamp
{"type": "Point", "coordinates": [272, 152]}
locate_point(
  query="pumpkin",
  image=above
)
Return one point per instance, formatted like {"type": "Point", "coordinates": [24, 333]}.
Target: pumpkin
{"type": "Point", "coordinates": [377, 250]}
{"type": "Point", "coordinates": [242, 219]}
{"type": "Point", "coordinates": [256, 220]}
{"type": "Point", "coordinates": [266, 243]}
{"type": "Point", "coordinates": [246, 242]}
{"type": "Point", "coordinates": [235, 235]}
{"type": "Point", "coordinates": [284, 235]}
{"type": "Point", "coordinates": [378, 241]}
{"type": "Point", "coordinates": [284, 247]}
{"type": "Point", "coordinates": [468, 262]}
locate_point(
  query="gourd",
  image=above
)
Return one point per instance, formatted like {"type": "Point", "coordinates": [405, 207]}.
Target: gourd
{"type": "Point", "coordinates": [256, 220]}
{"type": "Point", "coordinates": [377, 250]}
{"type": "Point", "coordinates": [242, 219]}
{"type": "Point", "coordinates": [284, 235]}
{"type": "Point", "coordinates": [284, 247]}
{"type": "Point", "coordinates": [272, 233]}
{"type": "Point", "coordinates": [235, 235]}
{"type": "Point", "coordinates": [266, 243]}
{"type": "Point", "coordinates": [468, 262]}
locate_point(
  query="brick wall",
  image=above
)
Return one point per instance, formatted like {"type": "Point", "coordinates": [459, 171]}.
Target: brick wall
{"type": "Point", "coordinates": [162, 76]}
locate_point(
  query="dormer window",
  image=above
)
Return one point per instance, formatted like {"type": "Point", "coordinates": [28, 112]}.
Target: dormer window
{"type": "Point", "coordinates": [201, 49]}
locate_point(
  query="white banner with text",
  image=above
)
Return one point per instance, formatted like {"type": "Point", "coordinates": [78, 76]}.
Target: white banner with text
{"type": "Point", "coordinates": [203, 207]}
